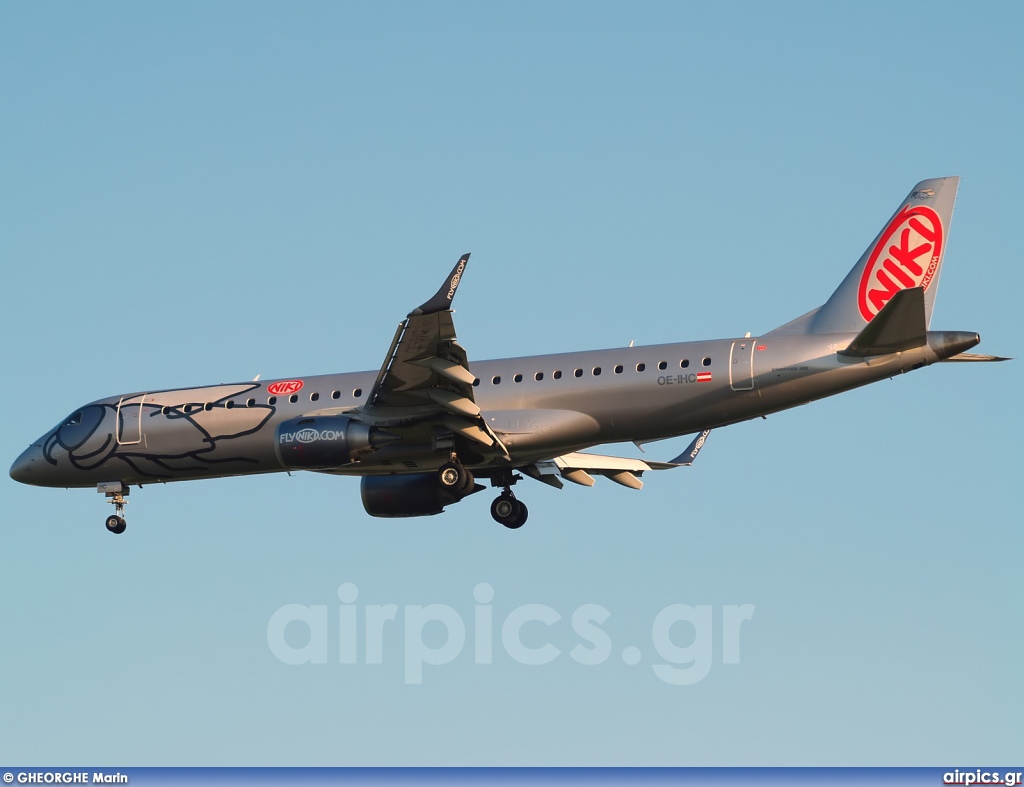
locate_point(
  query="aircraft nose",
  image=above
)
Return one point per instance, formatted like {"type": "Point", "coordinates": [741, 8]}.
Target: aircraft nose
{"type": "Point", "coordinates": [26, 467]}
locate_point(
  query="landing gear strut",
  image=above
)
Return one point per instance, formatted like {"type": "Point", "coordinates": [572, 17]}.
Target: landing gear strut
{"type": "Point", "coordinates": [116, 493]}
{"type": "Point", "coordinates": [506, 509]}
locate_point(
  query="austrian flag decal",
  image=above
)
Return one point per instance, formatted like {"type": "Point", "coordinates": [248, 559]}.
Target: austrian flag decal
{"type": "Point", "coordinates": [703, 377]}
{"type": "Point", "coordinates": [907, 255]}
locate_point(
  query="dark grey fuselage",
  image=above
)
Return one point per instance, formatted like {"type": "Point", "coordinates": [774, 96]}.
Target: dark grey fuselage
{"type": "Point", "coordinates": [540, 406]}
{"type": "Point", "coordinates": [431, 408]}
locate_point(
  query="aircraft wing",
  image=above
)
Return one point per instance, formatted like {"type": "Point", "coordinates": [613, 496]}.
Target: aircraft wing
{"type": "Point", "coordinates": [425, 377]}
{"type": "Point", "coordinates": [581, 467]}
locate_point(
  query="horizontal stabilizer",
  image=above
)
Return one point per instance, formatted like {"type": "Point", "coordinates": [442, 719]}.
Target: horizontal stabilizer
{"type": "Point", "coordinates": [977, 358]}
{"type": "Point", "coordinates": [900, 325]}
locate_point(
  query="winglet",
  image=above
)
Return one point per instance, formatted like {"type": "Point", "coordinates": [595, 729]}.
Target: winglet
{"type": "Point", "coordinates": [687, 457]}
{"type": "Point", "coordinates": [442, 300]}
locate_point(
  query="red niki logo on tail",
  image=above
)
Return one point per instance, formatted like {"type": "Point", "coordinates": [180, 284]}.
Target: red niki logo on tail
{"type": "Point", "coordinates": [907, 255]}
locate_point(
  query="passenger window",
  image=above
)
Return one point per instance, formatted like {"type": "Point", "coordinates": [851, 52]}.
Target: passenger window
{"type": "Point", "coordinates": [518, 378]}
{"type": "Point", "coordinates": [357, 392]}
{"type": "Point", "coordinates": [557, 374]}
{"type": "Point", "coordinates": [476, 382]}
{"type": "Point", "coordinates": [496, 380]}
{"type": "Point", "coordinates": [641, 366]}
{"type": "Point", "coordinates": [313, 397]}
{"type": "Point", "coordinates": [684, 363]}
{"type": "Point", "coordinates": [229, 404]}
{"type": "Point", "coordinates": [706, 362]}
{"type": "Point", "coordinates": [578, 373]}
{"type": "Point", "coordinates": [618, 368]}
{"type": "Point", "coordinates": [597, 371]}
{"type": "Point", "coordinates": [293, 398]}
{"type": "Point", "coordinates": [538, 376]}
{"type": "Point", "coordinates": [208, 406]}
{"type": "Point", "coordinates": [663, 365]}
{"type": "Point", "coordinates": [250, 403]}
{"type": "Point", "coordinates": [335, 394]}
{"type": "Point", "coordinates": [271, 401]}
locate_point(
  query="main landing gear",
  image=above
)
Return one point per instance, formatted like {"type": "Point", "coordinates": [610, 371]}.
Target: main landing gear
{"type": "Point", "coordinates": [455, 478]}
{"type": "Point", "coordinates": [506, 509]}
{"type": "Point", "coordinates": [116, 493]}
{"type": "Point", "coordinates": [509, 511]}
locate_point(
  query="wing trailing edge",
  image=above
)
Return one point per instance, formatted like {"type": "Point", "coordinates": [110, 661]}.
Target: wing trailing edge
{"type": "Point", "coordinates": [580, 467]}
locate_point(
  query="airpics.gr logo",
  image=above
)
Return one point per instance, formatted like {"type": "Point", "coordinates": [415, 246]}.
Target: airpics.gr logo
{"type": "Point", "coordinates": [284, 387]}
{"type": "Point", "coordinates": [906, 255]}
{"type": "Point", "coordinates": [456, 279]}
{"type": "Point", "coordinates": [433, 635]}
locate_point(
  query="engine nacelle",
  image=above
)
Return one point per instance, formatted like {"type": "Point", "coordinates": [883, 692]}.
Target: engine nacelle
{"type": "Point", "coordinates": [321, 441]}
{"type": "Point", "coordinates": [416, 494]}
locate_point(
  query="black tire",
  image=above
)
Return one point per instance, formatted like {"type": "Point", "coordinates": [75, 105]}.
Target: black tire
{"type": "Point", "coordinates": [115, 524]}
{"type": "Point", "coordinates": [468, 483]}
{"type": "Point", "coordinates": [503, 508]}
{"type": "Point", "coordinates": [451, 477]}
{"type": "Point", "coordinates": [508, 511]}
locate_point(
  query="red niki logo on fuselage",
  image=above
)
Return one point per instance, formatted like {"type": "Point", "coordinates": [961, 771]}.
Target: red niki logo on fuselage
{"type": "Point", "coordinates": [284, 387]}
{"type": "Point", "coordinates": [907, 255]}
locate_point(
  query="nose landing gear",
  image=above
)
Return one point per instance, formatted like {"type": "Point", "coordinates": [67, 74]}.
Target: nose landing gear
{"type": "Point", "coordinates": [116, 493]}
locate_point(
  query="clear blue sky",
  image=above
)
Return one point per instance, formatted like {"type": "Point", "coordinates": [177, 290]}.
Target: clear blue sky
{"type": "Point", "coordinates": [199, 192]}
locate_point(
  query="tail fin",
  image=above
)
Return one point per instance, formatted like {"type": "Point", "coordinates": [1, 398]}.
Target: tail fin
{"type": "Point", "coordinates": [906, 253]}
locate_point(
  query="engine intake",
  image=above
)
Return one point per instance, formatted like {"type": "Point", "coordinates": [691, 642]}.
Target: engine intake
{"type": "Point", "coordinates": [322, 441]}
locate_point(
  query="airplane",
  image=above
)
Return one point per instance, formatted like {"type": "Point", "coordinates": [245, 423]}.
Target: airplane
{"type": "Point", "coordinates": [429, 425]}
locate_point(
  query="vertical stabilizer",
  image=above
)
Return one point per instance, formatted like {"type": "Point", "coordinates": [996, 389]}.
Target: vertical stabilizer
{"type": "Point", "coordinates": [907, 253]}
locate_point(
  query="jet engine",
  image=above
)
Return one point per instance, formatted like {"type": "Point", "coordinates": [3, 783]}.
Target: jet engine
{"type": "Point", "coordinates": [415, 494]}
{"type": "Point", "coordinates": [322, 441]}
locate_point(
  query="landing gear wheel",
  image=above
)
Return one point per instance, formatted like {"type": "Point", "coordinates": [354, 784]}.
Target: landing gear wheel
{"type": "Point", "coordinates": [508, 511]}
{"type": "Point", "coordinates": [452, 476]}
{"type": "Point", "coordinates": [116, 524]}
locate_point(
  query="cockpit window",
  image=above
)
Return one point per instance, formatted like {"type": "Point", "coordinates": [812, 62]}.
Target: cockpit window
{"type": "Point", "coordinates": [74, 420]}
